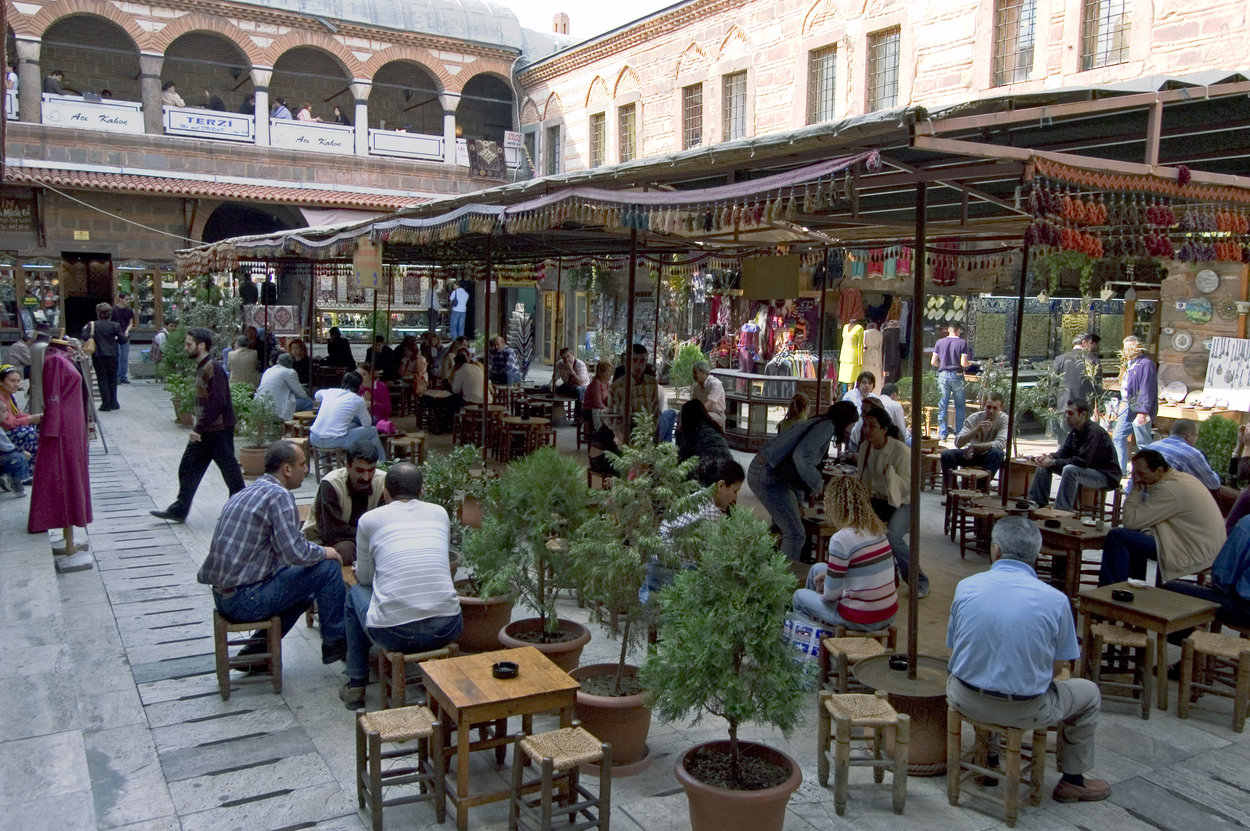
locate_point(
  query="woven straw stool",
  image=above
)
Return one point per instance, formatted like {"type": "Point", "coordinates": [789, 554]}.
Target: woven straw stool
{"type": "Point", "coordinates": [1225, 671]}
{"type": "Point", "coordinates": [971, 478]}
{"type": "Point", "coordinates": [853, 715]}
{"type": "Point", "coordinates": [1019, 764]}
{"type": "Point", "coordinates": [225, 662]}
{"type": "Point", "coordinates": [931, 471]}
{"type": "Point", "coordinates": [560, 753]}
{"type": "Point", "coordinates": [838, 655]}
{"type": "Point", "coordinates": [393, 671]}
{"type": "Point", "coordinates": [1142, 661]}
{"type": "Point", "coordinates": [957, 502]}
{"type": "Point", "coordinates": [395, 727]}
{"type": "Point", "coordinates": [887, 637]}
{"type": "Point", "coordinates": [976, 528]}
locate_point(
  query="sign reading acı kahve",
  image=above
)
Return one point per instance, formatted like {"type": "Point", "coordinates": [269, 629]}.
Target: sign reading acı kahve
{"type": "Point", "coordinates": [111, 116]}
{"type": "Point", "coordinates": [189, 121]}
{"type": "Point", "coordinates": [312, 136]}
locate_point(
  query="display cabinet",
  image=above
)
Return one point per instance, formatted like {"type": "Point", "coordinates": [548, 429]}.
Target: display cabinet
{"type": "Point", "coordinates": [755, 404]}
{"type": "Point", "coordinates": [41, 286]}
{"type": "Point", "coordinates": [9, 306]}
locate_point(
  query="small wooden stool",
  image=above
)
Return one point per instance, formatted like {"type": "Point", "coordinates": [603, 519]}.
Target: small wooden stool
{"type": "Point", "coordinates": [1019, 764]}
{"type": "Point", "coordinates": [411, 445]}
{"type": "Point", "coordinates": [222, 644]}
{"type": "Point", "coordinates": [335, 457]}
{"type": "Point", "coordinates": [957, 501]}
{"type": "Point", "coordinates": [393, 671]}
{"type": "Point", "coordinates": [971, 478]}
{"type": "Point", "coordinates": [838, 655]}
{"type": "Point", "coordinates": [849, 712]}
{"type": "Point", "coordinates": [931, 471]}
{"type": "Point", "coordinates": [1142, 660]}
{"type": "Point", "coordinates": [560, 753]}
{"type": "Point", "coordinates": [887, 637]}
{"type": "Point", "coordinates": [1093, 502]}
{"type": "Point", "coordinates": [975, 528]}
{"type": "Point", "coordinates": [396, 727]}
{"type": "Point", "coordinates": [1225, 672]}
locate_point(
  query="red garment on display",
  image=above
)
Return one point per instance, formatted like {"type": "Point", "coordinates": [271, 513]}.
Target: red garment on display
{"type": "Point", "coordinates": [61, 493]}
{"type": "Point", "coordinates": [850, 306]}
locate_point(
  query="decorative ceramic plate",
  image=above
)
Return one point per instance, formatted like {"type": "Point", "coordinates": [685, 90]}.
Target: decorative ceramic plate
{"type": "Point", "coordinates": [1226, 308]}
{"type": "Point", "coordinates": [1198, 309]}
{"type": "Point", "coordinates": [1175, 392]}
{"type": "Point", "coordinates": [1193, 399]}
{"type": "Point", "coordinates": [1210, 400]}
{"type": "Point", "coordinates": [1181, 341]}
{"type": "Point", "coordinates": [1207, 281]}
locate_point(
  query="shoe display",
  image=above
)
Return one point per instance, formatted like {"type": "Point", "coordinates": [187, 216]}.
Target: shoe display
{"type": "Point", "coordinates": [168, 516]}
{"type": "Point", "coordinates": [353, 697]}
{"type": "Point", "coordinates": [1093, 790]}
{"type": "Point", "coordinates": [336, 651]}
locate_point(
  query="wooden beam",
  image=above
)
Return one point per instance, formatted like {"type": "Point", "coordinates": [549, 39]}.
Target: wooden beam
{"type": "Point", "coordinates": [968, 190]}
{"type": "Point", "coordinates": [1154, 130]}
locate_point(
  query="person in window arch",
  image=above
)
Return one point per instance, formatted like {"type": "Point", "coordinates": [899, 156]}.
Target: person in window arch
{"type": "Point", "coordinates": [170, 96]}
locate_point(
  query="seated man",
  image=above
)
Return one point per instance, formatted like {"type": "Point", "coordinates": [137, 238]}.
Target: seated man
{"type": "Point", "coordinates": [1181, 454]}
{"type": "Point", "coordinates": [1010, 635]}
{"type": "Point", "coordinates": [981, 443]}
{"type": "Point", "coordinates": [468, 383]}
{"type": "Point", "coordinates": [645, 397]}
{"type": "Point", "coordinates": [889, 399]}
{"type": "Point", "coordinates": [281, 383]}
{"type": "Point", "coordinates": [343, 418]}
{"type": "Point", "coordinates": [1230, 576]}
{"type": "Point", "coordinates": [709, 389]}
{"type": "Point", "coordinates": [1169, 516]}
{"type": "Point", "coordinates": [342, 498]}
{"type": "Point", "coordinates": [403, 600]}
{"type": "Point", "coordinates": [570, 376]}
{"type": "Point", "coordinates": [241, 363]}
{"type": "Point", "coordinates": [863, 388]}
{"type": "Point", "coordinates": [260, 565]}
{"type": "Point", "coordinates": [505, 366]}
{"type": "Point", "coordinates": [1086, 458]}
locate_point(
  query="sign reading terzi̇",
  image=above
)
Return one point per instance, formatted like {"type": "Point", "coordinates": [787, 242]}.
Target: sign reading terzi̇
{"type": "Point", "coordinates": [190, 121]}
{"type": "Point", "coordinates": [312, 136]}
{"type": "Point", "coordinates": [110, 115]}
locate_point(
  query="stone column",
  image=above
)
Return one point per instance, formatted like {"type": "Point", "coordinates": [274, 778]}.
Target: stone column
{"type": "Point", "coordinates": [29, 80]}
{"type": "Point", "coordinates": [150, 92]}
{"type": "Point", "coordinates": [450, 101]}
{"type": "Point", "coordinates": [260, 87]}
{"type": "Point", "coordinates": [360, 89]}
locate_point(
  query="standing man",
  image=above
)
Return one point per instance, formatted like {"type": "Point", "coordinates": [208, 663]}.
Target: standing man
{"type": "Point", "coordinates": [1073, 369]}
{"type": "Point", "coordinates": [403, 600]}
{"type": "Point", "coordinates": [1086, 458]}
{"type": "Point", "coordinates": [951, 356]}
{"type": "Point", "coordinates": [1010, 635]}
{"type": "Point", "coordinates": [343, 497]}
{"type": "Point", "coordinates": [107, 335]}
{"type": "Point", "coordinates": [1139, 393]}
{"type": "Point", "coordinates": [505, 369]}
{"type": "Point", "coordinates": [158, 344]}
{"type": "Point", "coordinates": [124, 317]}
{"type": "Point", "coordinates": [260, 565]}
{"type": "Point", "coordinates": [19, 354]}
{"type": "Point", "coordinates": [982, 443]}
{"type": "Point", "coordinates": [212, 437]}
{"type": "Point", "coordinates": [459, 306]}
{"type": "Point", "coordinates": [570, 376]}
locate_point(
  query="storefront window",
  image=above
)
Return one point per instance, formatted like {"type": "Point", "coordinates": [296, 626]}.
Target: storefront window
{"type": "Point", "coordinates": [8, 295]}
{"type": "Point", "coordinates": [138, 280]}
{"type": "Point", "coordinates": [171, 298]}
{"type": "Point", "coordinates": [42, 280]}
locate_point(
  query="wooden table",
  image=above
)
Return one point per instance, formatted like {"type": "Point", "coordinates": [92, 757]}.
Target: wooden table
{"type": "Point", "coordinates": [532, 427]}
{"type": "Point", "coordinates": [463, 692]}
{"type": "Point", "coordinates": [1069, 540]}
{"type": "Point", "coordinates": [305, 417]}
{"type": "Point", "coordinates": [1156, 610]}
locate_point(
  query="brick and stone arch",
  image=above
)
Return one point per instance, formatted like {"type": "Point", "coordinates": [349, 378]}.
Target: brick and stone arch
{"type": "Point", "coordinates": [486, 108]}
{"type": "Point", "coordinates": [480, 66]}
{"type": "Point", "coordinates": [202, 59]}
{"type": "Point", "coordinates": [314, 75]}
{"type": "Point", "coordinates": [209, 26]}
{"type": "Point", "coordinates": [297, 40]}
{"type": "Point", "coordinates": [627, 81]}
{"type": "Point", "coordinates": [692, 58]}
{"type": "Point", "coordinates": [736, 42]}
{"type": "Point", "coordinates": [529, 113]}
{"type": "Point", "coordinates": [597, 96]}
{"type": "Point", "coordinates": [406, 94]}
{"type": "Point", "coordinates": [37, 25]}
{"type": "Point", "coordinates": [821, 14]}
{"type": "Point", "coordinates": [554, 108]}
{"type": "Point", "coordinates": [413, 54]}
{"type": "Point", "coordinates": [94, 52]}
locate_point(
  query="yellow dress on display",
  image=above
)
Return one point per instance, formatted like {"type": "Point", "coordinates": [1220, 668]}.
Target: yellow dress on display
{"type": "Point", "coordinates": [851, 358]}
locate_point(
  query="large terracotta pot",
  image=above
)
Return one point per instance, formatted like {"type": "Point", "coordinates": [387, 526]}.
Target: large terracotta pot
{"type": "Point", "coordinates": [565, 655]}
{"type": "Point", "coordinates": [622, 721]}
{"type": "Point", "coordinates": [483, 618]}
{"type": "Point", "coordinates": [471, 512]}
{"type": "Point", "coordinates": [185, 419]}
{"type": "Point", "coordinates": [252, 460]}
{"type": "Point", "coordinates": [721, 809]}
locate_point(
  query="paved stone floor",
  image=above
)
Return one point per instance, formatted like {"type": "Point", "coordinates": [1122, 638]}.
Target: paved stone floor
{"type": "Point", "coordinates": [112, 718]}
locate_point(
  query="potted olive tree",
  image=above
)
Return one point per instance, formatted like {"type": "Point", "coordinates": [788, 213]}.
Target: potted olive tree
{"type": "Point", "coordinates": [721, 652]}
{"type": "Point", "coordinates": [259, 423]}
{"type": "Point", "coordinates": [608, 562]}
{"type": "Point", "coordinates": [520, 550]}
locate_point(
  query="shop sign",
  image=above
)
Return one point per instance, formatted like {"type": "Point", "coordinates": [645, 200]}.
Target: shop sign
{"type": "Point", "coordinates": [111, 116]}
{"type": "Point", "coordinates": [311, 136]}
{"type": "Point", "coordinates": [17, 213]}
{"type": "Point", "coordinates": [192, 121]}
{"type": "Point", "coordinates": [406, 145]}
{"type": "Point", "coordinates": [367, 265]}
{"type": "Point", "coordinates": [512, 140]}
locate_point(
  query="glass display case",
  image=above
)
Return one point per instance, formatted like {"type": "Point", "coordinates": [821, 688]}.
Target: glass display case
{"type": "Point", "coordinates": [41, 283]}
{"type": "Point", "coordinates": [755, 404]}
{"type": "Point", "coordinates": [170, 298]}
{"type": "Point", "coordinates": [138, 279]}
{"type": "Point", "coordinates": [9, 306]}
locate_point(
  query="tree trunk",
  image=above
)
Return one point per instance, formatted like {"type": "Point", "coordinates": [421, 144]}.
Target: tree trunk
{"type": "Point", "coordinates": [735, 769]}
{"type": "Point", "coordinates": [620, 666]}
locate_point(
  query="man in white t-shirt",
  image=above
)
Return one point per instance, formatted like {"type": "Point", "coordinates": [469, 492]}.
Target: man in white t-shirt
{"type": "Point", "coordinates": [343, 418]}
{"type": "Point", "coordinates": [403, 600]}
{"type": "Point", "coordinates": [459, 305]}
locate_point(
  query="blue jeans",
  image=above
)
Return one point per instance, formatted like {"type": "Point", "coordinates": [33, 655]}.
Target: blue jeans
{"type": "Point", "coordinates": [1069, 480]}
{"type": "Point", "coordinates": [810, 603]}
{"type": "Point", "coordinates": [1124, 555]}
{"type": "Point", "coordinates": [897, 526]}
{"type": "Point", "coordinates": [658, 577]}
{"type": "Point", "coordinates": [990, 460]}
{"type": "Point", "coordinates": [369, 434]}
{"type": "Point", "coordinates": [15, 464]}
{"type": "Point", "coordinates": [288, 593]}
{"type": "Point", "coordinates": [951, 383]}
{"type": "Point", "coordinates": [457, 325]}
{"type": "Point", "coordinates": [1141, 433]}
{"type": "Point", "coordinates": [304, 404]}
{"type": "Point", "coordinates": [418, 636]}
{"type": "Point", "coordinates": [1234, 609]}
{"type": "Point", "coordinates": [782, 505]}
{"type": "Point", "coordinates": [123, 362]}
{"type": "Point", "coordinates": [665, 426]}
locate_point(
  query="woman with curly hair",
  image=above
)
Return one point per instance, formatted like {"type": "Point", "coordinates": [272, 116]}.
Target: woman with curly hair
{"type": "Point", "coordinates": [855, 586]}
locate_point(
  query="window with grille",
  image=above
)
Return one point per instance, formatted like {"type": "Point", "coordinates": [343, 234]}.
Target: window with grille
{"type": "Point", "coordinates": [883, 56]}
{"type": "Point", "coordinates": [551, 151]}
{"type": "Point", "coordinates": [821, 81]}
{"type": "Point", "coordinates": [530, 143]}
{"type": "Point", "coordinates": [691, 116]}
{"type": "Point", "coordinates": [1105, 33]}
{"type": "Point", "coordinates": [598, 139]}
{"type": "Point", "coordinates": [734, 106]}
{"type": "Point", "coordinates": [1013, 40]}
{"type": "Point", "coordinates": [627, 122]}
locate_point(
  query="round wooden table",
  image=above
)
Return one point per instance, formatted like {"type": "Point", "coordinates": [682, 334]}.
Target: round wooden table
{"type": "Point", "coordinates": [529, 428]}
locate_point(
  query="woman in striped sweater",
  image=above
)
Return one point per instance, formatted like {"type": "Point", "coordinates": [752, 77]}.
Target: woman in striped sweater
{"type": "Point", "coordinates": [855, 587]}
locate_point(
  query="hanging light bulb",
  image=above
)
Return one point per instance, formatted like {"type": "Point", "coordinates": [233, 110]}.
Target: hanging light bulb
{"type": "Point", "coordinates": [1106, 293]}
{"type": "Point", "coordinates": [1043, 297]}
{"type": "Point", "coordinates": [1130, 295]}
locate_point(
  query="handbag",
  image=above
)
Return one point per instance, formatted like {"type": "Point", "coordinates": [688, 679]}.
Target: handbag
{"type": "Point", "coordinates": [88, 348]}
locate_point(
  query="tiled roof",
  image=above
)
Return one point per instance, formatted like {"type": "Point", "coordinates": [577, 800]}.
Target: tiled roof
{"type": "Point", "coordinates": [127, 183]}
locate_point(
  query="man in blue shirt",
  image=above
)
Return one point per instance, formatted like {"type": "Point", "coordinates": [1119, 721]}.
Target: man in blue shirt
{"type": "Point", "coordinates": [1010, 634]}
{"type": "Point", "coordinates": [951, 356]}
{"type": "Point", "coordinates": [1230, 576]}
{"type": "Point", "coordinates": [1178, 448]}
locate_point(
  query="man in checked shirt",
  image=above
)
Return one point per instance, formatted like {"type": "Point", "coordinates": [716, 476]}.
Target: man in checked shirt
{"type": "Point", "coordinates": [260, 564]}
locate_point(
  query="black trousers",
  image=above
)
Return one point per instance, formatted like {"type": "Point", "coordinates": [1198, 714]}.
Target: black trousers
{"type": "Point", "coordinates": [213, 446]}
{"type": "Point", "coordinates": [106, 377]}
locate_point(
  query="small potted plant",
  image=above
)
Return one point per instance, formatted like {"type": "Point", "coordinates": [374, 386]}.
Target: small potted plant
{"type": "Point", "coordinates": [520, 550]}
{"type": "Point", "coordinates": [608, 562]}
{"type": "Point", "coordinates": [721, 652]}
{"type": "Point", "coordinates": [181, 389]}
{"type": "Point", "coordinates": [681, 371]}
{"type": "Point", "coordinates": [260, 425]}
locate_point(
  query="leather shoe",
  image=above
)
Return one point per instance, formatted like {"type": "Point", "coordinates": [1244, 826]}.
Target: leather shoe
{"type": "Point", "coordinates": [168, 516]}
{"type": "Point", "coordinates": [1093, 790]}
{"type": "Point", "coordinates": [353, 697]}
